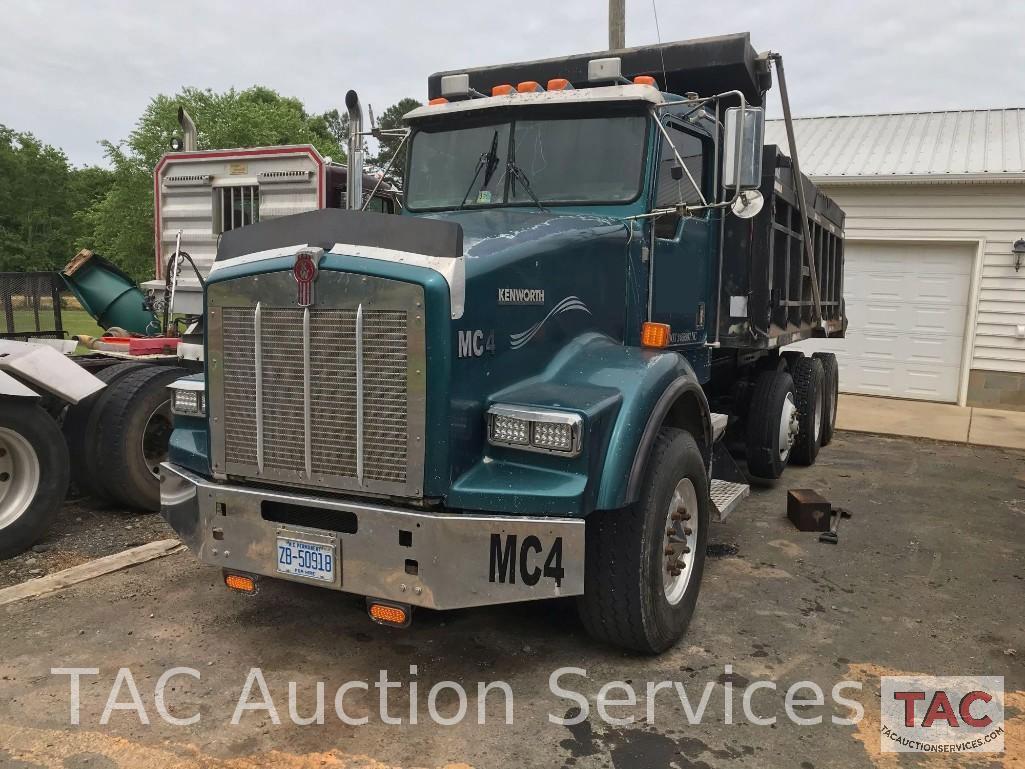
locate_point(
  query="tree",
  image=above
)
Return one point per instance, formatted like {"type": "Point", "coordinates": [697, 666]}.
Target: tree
{"type": "Point", "coordinates": [39, 195]}
{"type": "Point", "coordinates": [392, 118]}
{"type": "Point", "coordinates": [120, 225]}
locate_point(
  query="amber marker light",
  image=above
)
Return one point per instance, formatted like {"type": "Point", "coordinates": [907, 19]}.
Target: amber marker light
{"type": "Point", "coordinates": [655, 335]}
{"type": "Point", "coordinates": [240, 582]}
{"type": "Point", "coordinates": [389, 614]}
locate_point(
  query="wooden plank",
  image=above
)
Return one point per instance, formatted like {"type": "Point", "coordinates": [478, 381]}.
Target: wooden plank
{"type": "Point", "coordinates": [51, 583]}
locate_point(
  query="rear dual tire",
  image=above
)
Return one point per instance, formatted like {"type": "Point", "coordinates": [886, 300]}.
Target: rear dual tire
{"type": "Point", "coordinates": [34, 470]}
{"type": "Point", "coordinates": [644, 564]}
{"type": "Point", "coordinates": [118, 437]}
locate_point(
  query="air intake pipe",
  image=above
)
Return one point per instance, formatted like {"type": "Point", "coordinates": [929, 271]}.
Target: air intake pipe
{"type": "Point", "coordinates": [189, 134]}
{"type": "Point", "coordinates": [354, 170]}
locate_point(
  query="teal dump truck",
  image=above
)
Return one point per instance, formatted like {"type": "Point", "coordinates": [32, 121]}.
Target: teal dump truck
{"type": "Point", "coordinates": [534, 382]}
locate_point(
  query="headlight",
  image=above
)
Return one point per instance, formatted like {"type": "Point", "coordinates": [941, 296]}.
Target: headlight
{"type": "Point", "coordinates": [549, 432]}
{"type": "Point", "coordinates": [188, 398]}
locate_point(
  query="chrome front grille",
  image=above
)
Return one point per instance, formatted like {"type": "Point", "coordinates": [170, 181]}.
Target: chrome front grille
{"type": "Point", "coordinates": [319, 396]}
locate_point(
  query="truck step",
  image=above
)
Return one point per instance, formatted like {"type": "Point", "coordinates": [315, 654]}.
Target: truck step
{"type": "Point", "coordinates": [726, 496]}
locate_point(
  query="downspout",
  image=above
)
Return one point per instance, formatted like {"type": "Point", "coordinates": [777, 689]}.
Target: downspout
{"type": "Point", "coordinates": [354, 169]}
{"type": "Point", "coordinates": [190, 136]}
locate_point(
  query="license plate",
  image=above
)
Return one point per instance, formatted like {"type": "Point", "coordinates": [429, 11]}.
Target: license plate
{"type": "Point", "coordinates": [306, 559]}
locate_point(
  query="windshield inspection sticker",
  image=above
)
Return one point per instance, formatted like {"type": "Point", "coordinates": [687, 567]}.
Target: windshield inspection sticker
{"type": "Point", "coordinates": [521, 296]}
{"type": "Point", "coordinates": [484, 196]}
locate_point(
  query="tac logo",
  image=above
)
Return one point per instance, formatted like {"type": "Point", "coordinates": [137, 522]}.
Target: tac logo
{"type": "Point", "coordinates": [305, 269]}
{"type": "Point", "coordinates": [942, 714]}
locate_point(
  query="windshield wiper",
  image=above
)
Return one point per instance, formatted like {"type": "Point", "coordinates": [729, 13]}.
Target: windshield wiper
{"type": "Point", "coordinates": [488, 162]}
{"type": "Point", "coordinates": [517, 173]}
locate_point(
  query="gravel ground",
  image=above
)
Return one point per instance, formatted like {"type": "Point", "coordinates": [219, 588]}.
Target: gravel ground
{"type": "Point", "coordinates": [85, 529]}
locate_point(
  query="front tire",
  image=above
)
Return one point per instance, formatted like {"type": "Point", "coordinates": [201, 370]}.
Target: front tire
{"type": "Point", "coordinates": [641, 582]}
{"type": "Point", "coordinates": [34, 470]}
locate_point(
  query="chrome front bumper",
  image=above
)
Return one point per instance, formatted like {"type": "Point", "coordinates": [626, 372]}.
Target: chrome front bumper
{"type": "Point", "coordinates": [424, 559]}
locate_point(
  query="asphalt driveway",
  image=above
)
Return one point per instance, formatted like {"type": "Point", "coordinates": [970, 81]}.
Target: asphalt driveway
{"type": "Point", "coordinates": [928, 577]}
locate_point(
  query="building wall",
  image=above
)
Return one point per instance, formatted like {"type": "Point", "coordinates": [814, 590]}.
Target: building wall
{"type": "Point", "coordinates": [992, 215]}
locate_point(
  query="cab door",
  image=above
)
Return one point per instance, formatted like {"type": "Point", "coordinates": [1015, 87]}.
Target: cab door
{"type": "Point", "coordinates": [683, 246]}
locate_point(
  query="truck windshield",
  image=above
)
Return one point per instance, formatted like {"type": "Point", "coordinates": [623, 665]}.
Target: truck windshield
{"type": "Point", "coordinates": [567, 160]}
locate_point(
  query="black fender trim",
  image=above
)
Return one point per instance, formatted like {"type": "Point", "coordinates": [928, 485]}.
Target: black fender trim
{"type": "Point", "coordinates": [676, 390]}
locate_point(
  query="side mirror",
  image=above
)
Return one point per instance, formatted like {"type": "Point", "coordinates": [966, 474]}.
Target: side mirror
{"type": "Point", "coordinates": [743, 169]}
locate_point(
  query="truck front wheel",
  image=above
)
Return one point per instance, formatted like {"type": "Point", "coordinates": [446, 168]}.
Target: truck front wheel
{"type": "Point", "coordinates": [34, 471]}
{"type": "Point", "coordinates": [644, 564]}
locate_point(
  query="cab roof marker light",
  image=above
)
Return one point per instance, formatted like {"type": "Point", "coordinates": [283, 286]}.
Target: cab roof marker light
{"type": "Point", "coordinates": [502, 90]}
{"type": "Point", "coordinates": [458, 87]}
{"type": "Point", "coordinates": [604, 70]}
{"type": "Point", "coordinates": [529, 86]}
{"type": "Point", "coordinates": [645, 80]}
{"type": "Point", "coordinates": [455, 86]}
{"type": "Point", "coordinates": [437, 102]}
{"type": "Point", "coordinates": [559, 84]}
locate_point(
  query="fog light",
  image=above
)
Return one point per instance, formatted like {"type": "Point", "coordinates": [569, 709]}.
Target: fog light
{"type": "Point", "coordinates": [542, 430]}
{"type": "Point", "coordinates": [188, 398]}
{"type": "Point", "coordinates": [507, 429]}
{"type": "Point", "coordinates": [553, 436]}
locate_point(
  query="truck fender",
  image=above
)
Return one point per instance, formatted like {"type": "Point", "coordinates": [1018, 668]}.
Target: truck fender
{"type": "Point", "coordinates": [682, 404]}
{"type": "Point", "coordinates": [674, 398]}
{"type": "Point", "coordinates": [11, 387]}
{"type": "Point", "coordinates": [46, 369]}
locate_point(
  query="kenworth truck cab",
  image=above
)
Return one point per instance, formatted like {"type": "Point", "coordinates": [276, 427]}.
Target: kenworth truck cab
{"type": "Point", "coordinates": [524, 386]}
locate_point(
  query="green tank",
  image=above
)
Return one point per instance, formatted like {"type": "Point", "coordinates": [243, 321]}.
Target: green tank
{"type": "Point", "coordinates": [108, 294]}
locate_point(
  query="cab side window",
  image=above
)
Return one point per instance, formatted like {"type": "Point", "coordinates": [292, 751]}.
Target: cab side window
{"type": "Point", "coordinates": [670, 191]}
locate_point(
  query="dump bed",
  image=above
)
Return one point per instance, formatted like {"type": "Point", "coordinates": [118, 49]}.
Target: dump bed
{"type": "Point", "coordinates": [766, 296]}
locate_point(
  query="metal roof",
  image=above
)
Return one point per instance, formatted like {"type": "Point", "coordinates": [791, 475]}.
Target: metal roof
{"type": "Point", "coordinates": [960, 145]}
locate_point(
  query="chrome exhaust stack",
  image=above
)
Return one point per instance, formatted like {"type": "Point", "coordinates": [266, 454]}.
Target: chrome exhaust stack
{"type": "Point", "coordinates": [189, 133]}
{"type": "Point", "coordinates": [354, 169]}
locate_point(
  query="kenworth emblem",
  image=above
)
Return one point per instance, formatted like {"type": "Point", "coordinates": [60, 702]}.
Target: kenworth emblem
{"type": "Point", "coordinates": [307, 265]}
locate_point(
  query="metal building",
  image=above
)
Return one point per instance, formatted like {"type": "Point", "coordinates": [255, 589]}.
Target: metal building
{"type": "Point", "coordinates": [935, 285]}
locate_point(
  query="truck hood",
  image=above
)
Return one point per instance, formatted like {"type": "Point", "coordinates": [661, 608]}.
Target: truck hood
{"type": "Point", "coordinates": [493, 237]}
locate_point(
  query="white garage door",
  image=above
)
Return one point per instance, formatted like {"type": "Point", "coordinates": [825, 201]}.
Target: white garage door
{"type": "Point", "coordinates": [906, 305]}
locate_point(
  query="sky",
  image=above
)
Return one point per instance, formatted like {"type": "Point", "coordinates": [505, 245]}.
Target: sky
{"type": "Point", "coordinates": [74, 73]}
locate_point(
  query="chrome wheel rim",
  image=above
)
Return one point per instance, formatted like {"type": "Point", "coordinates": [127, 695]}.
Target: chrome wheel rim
{"type": "Point", "coordinates": [789, 424]}
{"type": "Point", "coordinates": [155, 437]}
{"type": "Point", "coordinates": [680, 541]}
{"type": "Point", "coordinates": [19, 476]}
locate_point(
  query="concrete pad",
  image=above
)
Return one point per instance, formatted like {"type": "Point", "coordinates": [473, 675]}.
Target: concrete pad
{"type": "Point", "coordinates": [998, 428]}
{"type": "Point", "coordinates": [917, 419]}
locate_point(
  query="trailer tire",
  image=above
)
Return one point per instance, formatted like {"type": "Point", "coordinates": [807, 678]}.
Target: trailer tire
{"type": "Point", "coordinates": [771, 424]}
{"type": "Point", "coordinates": [34, 471]}
{"type": "Point", "coordinates": [631, 599]}
{"type": "Point", "coordinates": [132, 435]}
{"type": "Point", "coordinates": [810, 393]}
{"type": "Point", "coordinates": [831, 392]}
{"type": "Point", "coordinates": [79, 426]}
